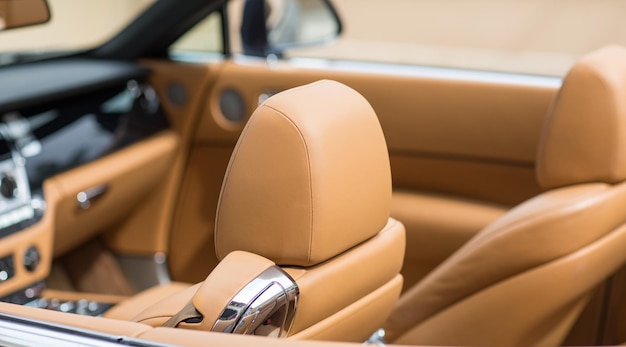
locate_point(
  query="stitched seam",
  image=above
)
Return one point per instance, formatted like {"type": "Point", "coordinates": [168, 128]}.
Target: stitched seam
{"type": "Point", "coordinates": [224, 185]}
{"type": "Point", "coordinates": [615, 153]}
{"type": "Point", "coordinates": [308, 165]}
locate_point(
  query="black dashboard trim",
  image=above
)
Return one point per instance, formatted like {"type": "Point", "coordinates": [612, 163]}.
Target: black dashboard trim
{"type": "Point", "coordinates": [41, 82]}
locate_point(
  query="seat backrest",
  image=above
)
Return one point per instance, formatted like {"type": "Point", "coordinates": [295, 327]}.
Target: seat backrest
{"type": "Point", "coordinates": [308, 187]}
{"type": "Point", "coordinates": [308, 179]}
{"type": "Point", "coordinates": [524, 279]}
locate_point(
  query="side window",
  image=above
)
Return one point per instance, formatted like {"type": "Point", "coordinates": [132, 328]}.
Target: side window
{"type": "Point", "coordinates": [520, 36]}
{"type": "Point", "coordinates": [262, 27]}
{"type": "Point", "coordinates": [204, 37]}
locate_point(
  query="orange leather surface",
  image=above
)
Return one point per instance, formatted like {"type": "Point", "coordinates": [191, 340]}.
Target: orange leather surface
{"type": "Point", "coordinates": [436, 226]}
{"type": "Point", "coordinates": [333, 285]}
{"type": "Point", "coordinates": [128, 174]}
{"type": "Point", "coordinates": [423, 118]}
{"type": "Point", "coordinates": [585, 139]}
{"type": "Point", "coordinates": [209, 298]}
{"type": "Point", "coordinates": [357, 321]}
{"type": "Point", "coordinates": [349, 240]}
{"type": "Point", "coordinates": [528, 236]}
{"type": "Point", "coordinates": [533, 302]}
{"type": "Point", "coordinates": [472, 290]}
{"type": "Point", "coordinates": [158, 311]}
{"type": "Point", "coordinates": [364, 281]}
{"type": "Point", "coordinates": [232, 274]}
{"type": "Point", "coordinates": [418, 113]}
{"type": "Point", "coordinates": [132, 306]}
{"type": "Point", "coordinates": [493, 182]}
{"type": "Point", "coordinates": [308, 179]}
{"type": "Point", "coordinates": [497, 168]}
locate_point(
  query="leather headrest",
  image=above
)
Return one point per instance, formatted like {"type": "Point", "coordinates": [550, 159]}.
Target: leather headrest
{"type": "Point", "coordinates": [584, 138]}
{"type": "Point", "coordinates": [308, 179]}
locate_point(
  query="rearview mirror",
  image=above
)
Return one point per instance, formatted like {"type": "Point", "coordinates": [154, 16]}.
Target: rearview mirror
{"type": "Point", "coordinates": [273, 26]}
{"type": "Point", "coordinates": [21, 13]}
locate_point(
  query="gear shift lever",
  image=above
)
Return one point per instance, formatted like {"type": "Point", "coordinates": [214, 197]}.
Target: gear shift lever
{"type": "Point", "coordinates": [245, 294]}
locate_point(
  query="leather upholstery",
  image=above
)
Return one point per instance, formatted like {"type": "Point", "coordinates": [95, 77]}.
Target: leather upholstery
{"type": "Point", "coordinates": [210, 297]}
{"type": "Point", "coordinates": [585, 136]}
{"type": "Point", "coordinates": [308, 187]}
{"type": "Point", "coordinates": [132, 307]}
{"type": "Point", "coordinates": [308, 179]}
{"type": "Point", "coordinates": [470, 298]}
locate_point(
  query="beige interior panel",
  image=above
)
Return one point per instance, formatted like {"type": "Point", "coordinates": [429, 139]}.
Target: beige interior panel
{"type": "Point", "coordinates": [128, 175]}
{"type": "Point", "coordinates": [432, 234]}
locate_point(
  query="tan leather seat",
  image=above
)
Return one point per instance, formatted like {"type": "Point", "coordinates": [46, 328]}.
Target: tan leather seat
{"type": "Point", "coordinates": [308, 187]}
{"type": "Point", "coordinates": [523, 280]}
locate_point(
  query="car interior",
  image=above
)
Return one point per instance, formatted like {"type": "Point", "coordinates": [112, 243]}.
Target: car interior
{"type": "Point", "coordinates": [149, 201]}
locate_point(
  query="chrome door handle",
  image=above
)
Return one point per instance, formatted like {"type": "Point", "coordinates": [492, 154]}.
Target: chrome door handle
{"type": "Point", "coordinates": [85, 198]}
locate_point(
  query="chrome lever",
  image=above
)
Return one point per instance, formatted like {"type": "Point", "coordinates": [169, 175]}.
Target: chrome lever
{"type": "Point", "coordinates": [265, 306]}
{"type": "Point", "coordinates": [85, 198]}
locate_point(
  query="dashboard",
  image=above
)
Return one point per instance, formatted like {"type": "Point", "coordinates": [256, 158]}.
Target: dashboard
{"type": "Point", "coordinates": [56, 116]}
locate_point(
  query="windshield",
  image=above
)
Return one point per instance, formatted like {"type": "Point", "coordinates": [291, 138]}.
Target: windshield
{"type": "Point", "coordinates": [74, 25]}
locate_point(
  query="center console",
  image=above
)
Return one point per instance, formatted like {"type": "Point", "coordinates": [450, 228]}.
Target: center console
{"type": "Point", "coordinates": [19, 210]}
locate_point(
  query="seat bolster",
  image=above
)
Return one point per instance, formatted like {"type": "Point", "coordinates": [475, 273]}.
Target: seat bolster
{"type": "Point", "coordinates": [208, 298]}
{"type": "Point", "coordinates": [128, 309]}
{"type": "Point", "coordinates": [534, 308]}
{"type": "Point", "coordinates": [329, 287]}
{"type": "Point", "coordinates": [540, 230]}
{"type": "Point", "coordinates": [436, 226]}
{"type": "Point", "coordinates": [355, 323]}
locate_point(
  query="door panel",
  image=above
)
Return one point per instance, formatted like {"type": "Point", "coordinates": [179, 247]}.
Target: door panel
{"type": "Point", "coordinates": [488, 130]}
{"type": "Point", "coordinates": [464, 147]}
{"type": "Point", "coordinates": [181, 88]}
{"type": "Point", "coordinates": [119, 181]}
